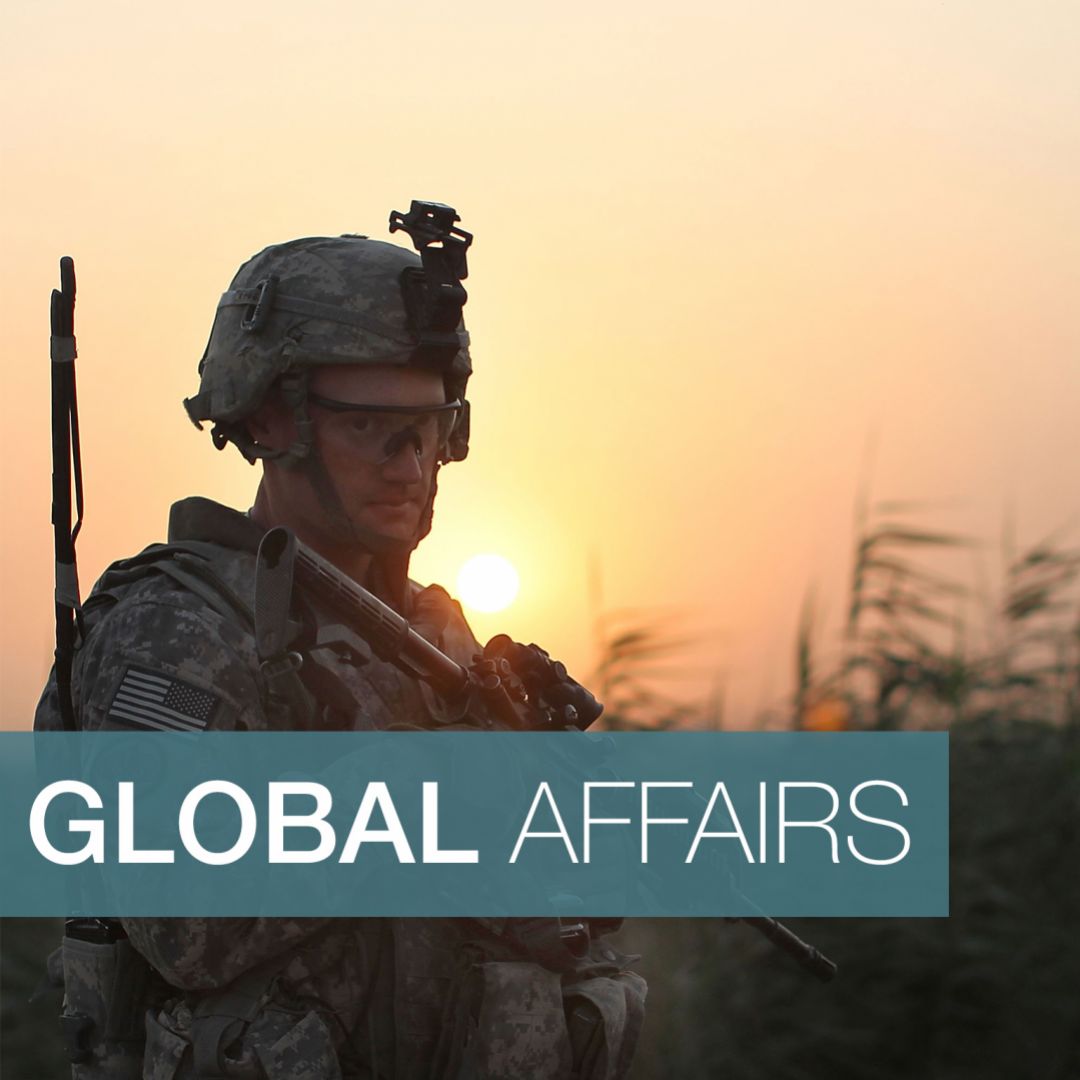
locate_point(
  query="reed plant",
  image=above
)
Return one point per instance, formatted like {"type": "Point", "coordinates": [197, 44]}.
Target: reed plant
{"type": "Point", "coordinates": [990, 992]}
{"type": "Point", "coordinates": [910, 655]}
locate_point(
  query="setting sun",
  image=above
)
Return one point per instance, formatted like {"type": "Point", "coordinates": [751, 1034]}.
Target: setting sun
{"type": "Point", "coordinates": [487, 583]}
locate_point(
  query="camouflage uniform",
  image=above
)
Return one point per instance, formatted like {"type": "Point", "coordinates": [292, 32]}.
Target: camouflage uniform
{"type": "Point", "coordinates": [316, 998]}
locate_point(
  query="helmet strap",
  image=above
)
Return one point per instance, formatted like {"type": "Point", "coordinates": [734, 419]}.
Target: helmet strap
{"type": "Point", "coordinates": [342, 526]}
{"type": "Point", "coordinates": [294, 389]}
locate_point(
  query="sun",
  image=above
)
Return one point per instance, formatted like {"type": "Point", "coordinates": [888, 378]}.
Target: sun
{"type": "Point", "coordinates": [487, 583]}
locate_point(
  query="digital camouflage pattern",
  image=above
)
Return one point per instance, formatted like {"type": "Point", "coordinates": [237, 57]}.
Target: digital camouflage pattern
{"type": "Point", "coordinates": [114, 1021]}
{"type": "Point", "coordinates": [296, 999]}
{"type": "Point", "coordinates": [334, 300]}
{"type": "Point", "coordinates": [520, 1028]}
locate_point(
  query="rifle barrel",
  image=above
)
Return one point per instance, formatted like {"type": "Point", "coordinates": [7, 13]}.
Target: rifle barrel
{"type": "Point", "coordinates": [806, 955]}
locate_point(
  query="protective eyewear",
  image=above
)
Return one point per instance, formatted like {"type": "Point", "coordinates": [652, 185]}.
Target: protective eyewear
{"type": "Point", "coordinates": [380, 431]}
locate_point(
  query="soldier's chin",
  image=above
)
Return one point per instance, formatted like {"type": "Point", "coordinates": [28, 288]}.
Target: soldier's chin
{"type": "Point", "coordinates": [393, 522]}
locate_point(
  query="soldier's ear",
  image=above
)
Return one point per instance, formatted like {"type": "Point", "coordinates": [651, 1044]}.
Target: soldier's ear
{"type": "Point", "coordinates": [272, 425]}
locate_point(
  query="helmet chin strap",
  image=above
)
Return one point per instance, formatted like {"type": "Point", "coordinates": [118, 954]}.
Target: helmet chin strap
{"type": "Point", "coordinates": [391, 553]}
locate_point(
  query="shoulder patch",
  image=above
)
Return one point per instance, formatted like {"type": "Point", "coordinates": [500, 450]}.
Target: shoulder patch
{"type": "Point", "coordinates": [149, 699]}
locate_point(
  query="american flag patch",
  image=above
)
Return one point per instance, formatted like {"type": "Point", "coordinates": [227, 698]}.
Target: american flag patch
{"type": "Point", "coordinates": [146, 699]}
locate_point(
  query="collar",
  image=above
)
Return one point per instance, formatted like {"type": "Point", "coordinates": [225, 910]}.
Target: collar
{"type": "Point", "coordinates": [197, 518]}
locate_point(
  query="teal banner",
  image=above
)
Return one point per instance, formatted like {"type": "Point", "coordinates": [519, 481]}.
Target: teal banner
{"type": "Point", "coordinates": [474, 824]}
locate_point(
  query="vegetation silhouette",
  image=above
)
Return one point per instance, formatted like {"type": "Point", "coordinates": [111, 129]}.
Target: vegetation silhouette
{"type": "Point", "coordinates": [991, 991]}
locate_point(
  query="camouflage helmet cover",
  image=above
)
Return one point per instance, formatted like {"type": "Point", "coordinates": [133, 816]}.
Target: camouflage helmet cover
{"type": "Point", "coordinates": [309, 302]}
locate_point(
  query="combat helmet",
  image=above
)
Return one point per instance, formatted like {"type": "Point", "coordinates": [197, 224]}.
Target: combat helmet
{"type": "Point", "coordinates": [337, 300]}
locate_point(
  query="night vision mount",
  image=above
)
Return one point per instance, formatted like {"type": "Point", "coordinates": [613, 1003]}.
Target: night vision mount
{"type": "Point", "coordinates": [433, 293]}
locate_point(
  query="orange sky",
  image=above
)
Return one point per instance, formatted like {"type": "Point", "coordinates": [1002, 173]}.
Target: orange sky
{"type": "Point", "coordinates": [715, 250]}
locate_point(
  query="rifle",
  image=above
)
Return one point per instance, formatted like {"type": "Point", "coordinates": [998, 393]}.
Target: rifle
{"type": "Point", "coordinates": [525, 689]}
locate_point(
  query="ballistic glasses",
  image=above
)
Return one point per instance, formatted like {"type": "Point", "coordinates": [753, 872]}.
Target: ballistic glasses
{"type": "Point", "coordinates": [379, 432]}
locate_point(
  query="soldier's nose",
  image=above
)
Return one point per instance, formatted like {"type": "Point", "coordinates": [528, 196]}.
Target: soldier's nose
{"type": "Point", "coordinates": [403, 465]}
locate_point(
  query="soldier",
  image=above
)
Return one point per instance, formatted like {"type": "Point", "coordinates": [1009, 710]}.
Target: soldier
{"type": "Point", "coordinates": [341, 364]}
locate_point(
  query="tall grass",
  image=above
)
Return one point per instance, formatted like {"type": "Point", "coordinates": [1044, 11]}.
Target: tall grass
{"type": "Point", "coordinates": [991, 992]}
{"type": "Point", "coordinates": [910, 653]}
{"type": "Point", "coordinates": [911, 656]}
{"type": "Point", "coordinates": [639, 654]}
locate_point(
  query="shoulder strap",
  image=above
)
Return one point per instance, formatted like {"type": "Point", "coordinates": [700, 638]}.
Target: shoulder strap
{"type": "Point", "coordinates": [193, 567]}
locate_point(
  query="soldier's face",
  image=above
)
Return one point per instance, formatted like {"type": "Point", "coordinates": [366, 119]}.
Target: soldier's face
{"type": "Point", "coordinates": [339, 488]}
{"type": "Point", "coordinates": [388, 497]}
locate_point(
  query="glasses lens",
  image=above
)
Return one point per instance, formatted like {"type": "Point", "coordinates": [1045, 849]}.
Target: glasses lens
{"type": "Point", "coordinates": [379, 436]}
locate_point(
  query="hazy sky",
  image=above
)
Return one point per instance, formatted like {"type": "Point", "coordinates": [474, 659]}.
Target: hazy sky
{"type": "Point", "coordinates": [718, 247]}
